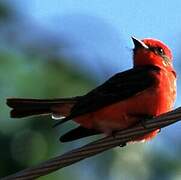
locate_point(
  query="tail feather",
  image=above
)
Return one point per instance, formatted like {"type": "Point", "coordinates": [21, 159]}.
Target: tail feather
{"type": "Point", "coordinates": [29, 107]}
{"type": "Point", "coordinates": [20, 113]}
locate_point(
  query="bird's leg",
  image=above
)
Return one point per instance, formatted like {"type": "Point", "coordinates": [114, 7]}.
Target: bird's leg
{"type": "Point", "coordinates": [122, 145]}
{"type": "Point", "coordinates": [142, 121]}
{"type": "Point", "coordinates": [142, 118]}
{"type": "Point", "coordinates": [113, 134]}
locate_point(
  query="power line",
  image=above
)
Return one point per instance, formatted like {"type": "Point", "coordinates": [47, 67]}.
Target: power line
{"type": "Point", "coordinates": [119, 138]}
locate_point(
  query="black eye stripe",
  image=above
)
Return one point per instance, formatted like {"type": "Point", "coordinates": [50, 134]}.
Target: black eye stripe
{"type": "Point", "coordinates": [157, 50]}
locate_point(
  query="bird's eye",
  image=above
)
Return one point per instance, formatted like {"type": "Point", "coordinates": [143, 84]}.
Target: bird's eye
{"type": "Point", "coordinates": [160, 51]}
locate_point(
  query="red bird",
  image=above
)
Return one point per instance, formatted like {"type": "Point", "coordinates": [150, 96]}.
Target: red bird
{"type": "Point", "coordinates": [146, 90]}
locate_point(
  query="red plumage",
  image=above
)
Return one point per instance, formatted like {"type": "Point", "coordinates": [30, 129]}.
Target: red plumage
{"type": "Point", "coordinates": [146, 90]}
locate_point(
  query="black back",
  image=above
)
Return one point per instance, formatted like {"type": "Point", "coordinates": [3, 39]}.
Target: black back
{"type": "Point", "coordinates": [119, 87]}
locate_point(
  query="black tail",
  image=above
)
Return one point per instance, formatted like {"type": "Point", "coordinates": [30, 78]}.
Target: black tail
{"type": "Point", "coordinates": [29, 107]}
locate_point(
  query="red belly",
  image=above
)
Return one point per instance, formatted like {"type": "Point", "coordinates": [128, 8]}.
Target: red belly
{"type": "Point", "coordinates": [153, 101]}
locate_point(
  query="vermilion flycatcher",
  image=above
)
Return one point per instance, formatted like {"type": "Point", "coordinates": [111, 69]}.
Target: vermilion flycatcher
{"type": "Point", "coordinates": [146, 90]}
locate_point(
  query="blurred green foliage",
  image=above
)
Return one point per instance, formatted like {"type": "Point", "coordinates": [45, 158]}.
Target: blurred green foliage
{"type": "Point", "coordinates": [25, 77]}
{"type": "Point", "coordinates": [5, 11]}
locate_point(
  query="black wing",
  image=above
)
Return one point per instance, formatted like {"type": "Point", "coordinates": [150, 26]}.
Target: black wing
{"type": "Point", "coordinates": [119, 87]}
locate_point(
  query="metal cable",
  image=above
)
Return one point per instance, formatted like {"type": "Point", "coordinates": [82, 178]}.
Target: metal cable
{"type": "Point", "coordinates": [121, 137]}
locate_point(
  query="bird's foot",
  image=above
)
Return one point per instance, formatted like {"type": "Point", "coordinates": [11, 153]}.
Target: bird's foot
{"type": "Point", "coordinates": [142, 121]}
{"type": "Point", "coordinates": [114, 136]}
{"type": "Point", "coordinates": [123, 144]}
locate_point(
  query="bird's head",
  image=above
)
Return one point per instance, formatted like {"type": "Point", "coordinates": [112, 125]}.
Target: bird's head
{"type": "Point", "coordinates": [151, 52]}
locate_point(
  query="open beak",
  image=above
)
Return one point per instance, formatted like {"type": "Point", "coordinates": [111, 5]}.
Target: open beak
{"type": "Point", "coordinates": [139, 44]}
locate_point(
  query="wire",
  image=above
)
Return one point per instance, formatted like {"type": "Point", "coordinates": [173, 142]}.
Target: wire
{"type": "Point", "coordinates": [119, 138]}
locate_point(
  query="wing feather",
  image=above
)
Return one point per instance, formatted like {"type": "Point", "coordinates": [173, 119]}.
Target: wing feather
{"type": "Point", "coordinates": [118, 88]}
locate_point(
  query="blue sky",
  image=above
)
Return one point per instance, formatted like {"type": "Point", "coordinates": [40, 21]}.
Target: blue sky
{"type": "Point", "coordinates": [100, 30]}
{"type": "Point", "coordinates": [158, 19]}
{"type": "Point", "coordinates": [153, 18]}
